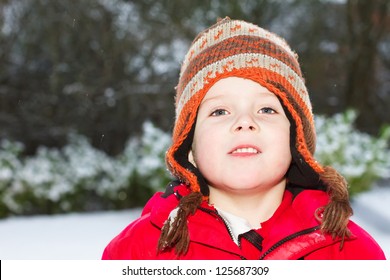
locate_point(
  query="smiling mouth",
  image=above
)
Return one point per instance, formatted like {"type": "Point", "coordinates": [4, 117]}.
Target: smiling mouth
{"type": "Point", "coordinates": [245, 151]}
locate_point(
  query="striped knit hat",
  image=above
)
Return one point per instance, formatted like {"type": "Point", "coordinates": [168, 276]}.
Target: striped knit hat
{"type": "Point", "coordinates": [237, 48]}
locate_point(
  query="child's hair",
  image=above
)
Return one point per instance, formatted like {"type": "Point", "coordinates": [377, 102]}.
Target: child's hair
{"type": "Point", "coordinates": [237, 48]}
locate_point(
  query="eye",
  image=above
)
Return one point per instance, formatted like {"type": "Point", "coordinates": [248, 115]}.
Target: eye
{"type": "Point", "coordinates": [219, 112]}
{"type": "Point", "coordinates": [267, 110]}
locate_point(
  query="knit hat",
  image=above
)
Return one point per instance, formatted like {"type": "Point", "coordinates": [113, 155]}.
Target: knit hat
{"type": "Point", "coordinates": [240, 49]}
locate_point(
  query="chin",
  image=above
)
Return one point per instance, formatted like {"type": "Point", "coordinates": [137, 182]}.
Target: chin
{"type": "Point", "coordinates": [254, 184]}
{"type": "Point", "coordinates": [243, 185]}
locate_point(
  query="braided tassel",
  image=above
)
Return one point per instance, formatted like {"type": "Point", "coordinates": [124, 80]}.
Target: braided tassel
{"type": "Point", "coordinates": [338, 211]}
{"type": "Point", "coordinates": [175, 234]}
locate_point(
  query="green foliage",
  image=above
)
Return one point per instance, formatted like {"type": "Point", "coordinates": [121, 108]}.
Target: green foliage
{"type": "Point", "coordinates": [361, 158]}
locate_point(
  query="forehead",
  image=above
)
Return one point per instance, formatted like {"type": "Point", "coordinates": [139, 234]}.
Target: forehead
{"type": "Point", "coordinates": [236, 87]}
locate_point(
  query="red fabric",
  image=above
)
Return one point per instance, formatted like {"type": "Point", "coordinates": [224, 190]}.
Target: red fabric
{"type": "Point", "coordinates": [210, 238]}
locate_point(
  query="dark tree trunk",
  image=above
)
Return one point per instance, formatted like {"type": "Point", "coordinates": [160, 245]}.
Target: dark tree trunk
{"type": "Point", "coordinates": [366, 24]}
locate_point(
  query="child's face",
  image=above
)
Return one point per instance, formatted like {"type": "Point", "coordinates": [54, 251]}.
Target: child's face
{"type": "Point", "coordinates": [242, 137]}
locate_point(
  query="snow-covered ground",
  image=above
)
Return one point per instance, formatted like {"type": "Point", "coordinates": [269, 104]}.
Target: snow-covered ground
{"type": "Point", "coordinates": [84, 236]}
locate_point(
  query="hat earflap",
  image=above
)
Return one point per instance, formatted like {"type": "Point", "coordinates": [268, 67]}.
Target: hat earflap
{"type": "Point", "coordinates": [300, 173]}
{"type": "Point", "coordinates": [182, 159]}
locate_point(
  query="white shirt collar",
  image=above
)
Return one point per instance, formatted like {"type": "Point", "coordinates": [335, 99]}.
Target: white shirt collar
{"type": "Point", "coordinates": [237, 225]}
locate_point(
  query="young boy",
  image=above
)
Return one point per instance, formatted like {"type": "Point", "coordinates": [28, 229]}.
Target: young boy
{"type": "Point", "coordinates": [243, 143]}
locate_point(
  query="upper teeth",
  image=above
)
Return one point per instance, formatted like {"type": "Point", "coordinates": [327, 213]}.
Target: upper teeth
{"type": "Point", "coordinates": [246, 150]}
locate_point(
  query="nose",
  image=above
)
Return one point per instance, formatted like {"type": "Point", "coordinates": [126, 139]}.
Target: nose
{"type": "Point", "coordinates": [245, 123]}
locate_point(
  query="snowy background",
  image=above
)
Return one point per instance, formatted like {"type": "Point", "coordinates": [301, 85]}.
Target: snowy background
{"type": "Point", "coordinates": [84, 236]}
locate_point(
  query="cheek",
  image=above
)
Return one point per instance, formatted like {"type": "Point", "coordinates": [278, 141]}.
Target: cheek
{"type": "Point", "coordinates": [204, 146]}
{"type": "Point", "coordinates": [280, 141]}
{"type": "Point", "coordinates": [284, 144]}
{"type": "Point", "coordinates": [199, 149]}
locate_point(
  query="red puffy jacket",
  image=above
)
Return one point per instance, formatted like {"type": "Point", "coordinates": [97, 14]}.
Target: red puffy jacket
{"type": "Point", "coordinates": [291, 233]}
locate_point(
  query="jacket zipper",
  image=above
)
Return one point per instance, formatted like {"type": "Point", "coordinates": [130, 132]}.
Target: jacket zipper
{"type": "Point", "coordinates": [219, 216]}
{"type": "Point", "coordinates": [214, 212]}
{"type": "Point", "coordinates": [288, 238]}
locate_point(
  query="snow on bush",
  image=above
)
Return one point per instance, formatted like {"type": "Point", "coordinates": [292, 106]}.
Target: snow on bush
{"type": "Point", "coordinates": [359, 157]}
{"type": "Point", "coordinates": [80, 178]}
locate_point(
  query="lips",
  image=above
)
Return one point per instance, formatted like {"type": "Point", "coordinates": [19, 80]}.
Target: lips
{"type": "Point", "coordinates": [245, 150]}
